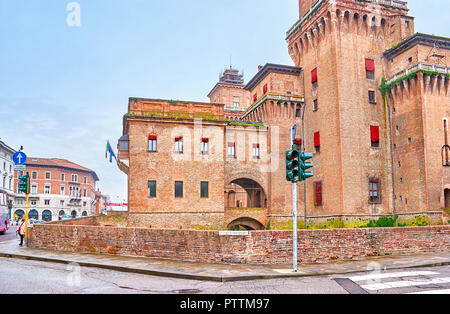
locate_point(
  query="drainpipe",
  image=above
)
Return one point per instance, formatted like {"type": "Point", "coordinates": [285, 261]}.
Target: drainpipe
{"type": "Point", "coordinates": [386, 97]}
{"type": "Point", "coordinates": [303, 141]}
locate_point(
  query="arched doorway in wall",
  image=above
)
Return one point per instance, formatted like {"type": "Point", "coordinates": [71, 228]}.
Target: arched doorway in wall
{"type": "Point", "coordinates": [84, 214]}
{"type": "Point", "coordinates": [61, 214]}
{"type": "Point", "coordinates": [74, 214]}
{"type": "Point", "coordinates": [47, 215]}
{"type": "Point", "coordinates": [245, 193]}
{"type": "Point", "coordinates": [245, 223]}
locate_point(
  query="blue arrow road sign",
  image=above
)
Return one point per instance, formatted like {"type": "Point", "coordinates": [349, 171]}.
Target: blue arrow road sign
{"type": "Point", "coordinates": [19, 158]}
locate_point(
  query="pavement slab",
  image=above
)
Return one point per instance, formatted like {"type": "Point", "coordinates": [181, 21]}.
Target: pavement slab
{"type": "Point", "coordinates": [221, 272]}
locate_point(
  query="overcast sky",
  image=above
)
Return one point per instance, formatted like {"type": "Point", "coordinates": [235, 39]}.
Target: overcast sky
{"type": "Point", "coordinates": [64, 90]}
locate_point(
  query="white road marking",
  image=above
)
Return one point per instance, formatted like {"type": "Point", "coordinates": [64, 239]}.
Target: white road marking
{"type": "Point", "coordinates": [392, 275]}
{"type": "Point", "coordinates": [403, 284]}
{"type": "Point", "coordinates": [433, 292]}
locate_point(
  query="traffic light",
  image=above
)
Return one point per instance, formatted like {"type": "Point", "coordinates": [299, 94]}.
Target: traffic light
{"type": "Point", "coordinates": [292, 165]}
{"type": "Point", "coordinates": [24, 184]}
{"type": "Point", "coordinates": [305, 166]}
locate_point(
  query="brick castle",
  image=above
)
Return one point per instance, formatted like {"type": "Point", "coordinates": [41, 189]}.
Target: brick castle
{"type": "Point", "coordinates": [375, 100]}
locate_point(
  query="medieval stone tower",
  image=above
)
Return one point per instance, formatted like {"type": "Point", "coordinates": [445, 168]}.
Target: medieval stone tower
{"type": "Point", "coordinates": [342, 46]}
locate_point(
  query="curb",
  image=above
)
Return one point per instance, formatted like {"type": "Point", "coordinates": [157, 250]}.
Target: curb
{"type": "Point", "coordinates": [180, 275]}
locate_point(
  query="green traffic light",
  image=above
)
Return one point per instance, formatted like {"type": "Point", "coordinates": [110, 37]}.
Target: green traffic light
{"type": "Point", "coordinates": [305, 166]}
{"type": "Point", "coordinates": [24, 184]}
{"type": "Point", "coordinates": [292, 165]}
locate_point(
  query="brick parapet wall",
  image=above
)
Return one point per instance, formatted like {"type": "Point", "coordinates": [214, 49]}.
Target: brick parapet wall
{"type": "Point", "coordinates": [259, 247]}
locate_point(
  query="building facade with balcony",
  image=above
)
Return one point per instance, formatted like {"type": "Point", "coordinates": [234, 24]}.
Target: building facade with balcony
{"type": "Point", "coordinates": [58, 188]}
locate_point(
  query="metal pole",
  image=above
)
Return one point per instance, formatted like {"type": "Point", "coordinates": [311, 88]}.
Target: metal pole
{"type": "Point", "coordinates": [26, 219]}
{"type": "Point", "coordinates": [294, 224]}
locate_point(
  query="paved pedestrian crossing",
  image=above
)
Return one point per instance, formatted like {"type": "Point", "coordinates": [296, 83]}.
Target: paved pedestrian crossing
{"type": "Point", "coordinates": [399, 282]}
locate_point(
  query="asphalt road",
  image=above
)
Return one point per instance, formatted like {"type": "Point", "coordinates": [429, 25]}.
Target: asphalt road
{"type": "Point", "coordinates": [33, 277]}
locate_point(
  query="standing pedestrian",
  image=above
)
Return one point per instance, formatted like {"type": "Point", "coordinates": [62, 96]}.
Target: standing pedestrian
{"type": "Point", "coordinates": [21, 230]}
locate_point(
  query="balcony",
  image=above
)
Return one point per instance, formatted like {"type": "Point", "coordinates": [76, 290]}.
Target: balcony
{"type": "Point", "coordinates": [421, 66]}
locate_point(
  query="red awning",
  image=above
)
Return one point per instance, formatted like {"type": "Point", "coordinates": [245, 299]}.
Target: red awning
{"type": "Point", "coordinates": [298, 141]}
{"type": "Point", "coordinates": [177, 139]}
{"type": "Point", "coordinates": [152, 137]}
{"type": "Point", "coordinates": [205, 140]}
{"type": "Point", "coordinates": [370, 65]}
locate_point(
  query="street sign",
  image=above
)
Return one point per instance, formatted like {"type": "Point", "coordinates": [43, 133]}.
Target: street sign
{"type": "Point", "coordinates": [20, 167]}
{"type": "Point", "coordinates": [19, 158]}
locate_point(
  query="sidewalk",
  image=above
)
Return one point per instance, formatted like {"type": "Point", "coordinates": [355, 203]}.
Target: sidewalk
{"type": "Point", "coordinates": [218, 272]}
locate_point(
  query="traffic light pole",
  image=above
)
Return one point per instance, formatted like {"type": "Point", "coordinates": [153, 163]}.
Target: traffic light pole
{"type": "Point", "coordinates": [26, 219]}
{"type": "Point", "coordinates": [294, 224]}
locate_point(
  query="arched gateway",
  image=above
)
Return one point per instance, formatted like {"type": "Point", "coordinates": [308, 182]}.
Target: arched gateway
{"type": "Point", "coordinates": [245, 205]}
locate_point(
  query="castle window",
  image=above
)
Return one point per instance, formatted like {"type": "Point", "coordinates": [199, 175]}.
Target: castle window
{"type": "Point", "coordinates": [204, 189]}
{"type": "Point", "coordinates": [256, 152]}
{"type": "Point", "coordinates": [316, 105]}
{"type": "Point", "coordinates": [372, 97]}
{"type": "Point", "coordinates": [265, 89]}
{"type": "Point", "coordinates": [409, 141]}
{"type": "Point", "coordinates": [47, 175]}
{"type": "Point", "coordinates": [152, 143]}
{"type": "Point", "coordinates": [317, 141]}
{"type": "Point", "coordinates": [370, 69]}
{"type": "Point", "coordinates": [374, 191]}
{"type": "Point", "coordinates": [205, 143]}
{"type": "Point", "coordinates": [255, 97]}
{"type": "Point", "coordinates": [298, 111]}
{"type": "Point", "coordinates": [298, 144]}
{"type": "Point", "coordinates": [179, 145]}
{"type": "Point", "coordinates": [232, 150]}
{"type": "Point", "coordinates": [314, 78]}
{"type": "Point", "coordinates": [375, 135]}
{"type": "Point", "coordinates": [178, 189]}
{"type": "Point", "coordinates": [152, 189]}
{"type": "Point", "coordinates": [318, 193]}
{"type": "Point", "coordinates": [34, 175]}
{"type": "Point", "coordinates": [410, 59]}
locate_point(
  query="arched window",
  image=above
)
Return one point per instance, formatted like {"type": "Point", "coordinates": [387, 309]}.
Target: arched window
{"type": "Point", "coordinates": [74, 214]}
{"type": "Point", "coordinates": [18, 214]}
{"type": "Point", "coordinates": [47, 215]}
{"type": "Point", "coordinates": [33, 214]}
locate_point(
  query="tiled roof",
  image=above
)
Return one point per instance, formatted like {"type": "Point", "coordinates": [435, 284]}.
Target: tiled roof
{"type": "Point", "coordinates": [58, 163]}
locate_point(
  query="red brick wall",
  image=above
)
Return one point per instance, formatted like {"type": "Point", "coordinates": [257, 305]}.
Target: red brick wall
{"type": "Point", "coordinates": [259, 247]}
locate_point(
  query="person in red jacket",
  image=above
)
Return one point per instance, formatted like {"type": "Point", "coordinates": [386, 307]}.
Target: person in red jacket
{"type": "Point", "coordinates": [21, 230]}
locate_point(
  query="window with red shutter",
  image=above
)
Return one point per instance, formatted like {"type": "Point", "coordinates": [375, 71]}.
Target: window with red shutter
{"type": "Point", "coordinates": [318, 193]}
{"type": "Point", "coordinates": [375, 135]}
{"type": "Point", "coordinates": [152, 143]}
{"type": "Point", "coordinates": [317, 139]}
{"type": "Point", "coordinates": [265, 89]}
{"type": "Point", "coordinates": [370, 69]}
{"type": "Point", "coordinates": [314, 76]}
{"type": "Point", "coordinates": [298, 143]}
{"type": "Point", "coordinates": [255, 97]}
